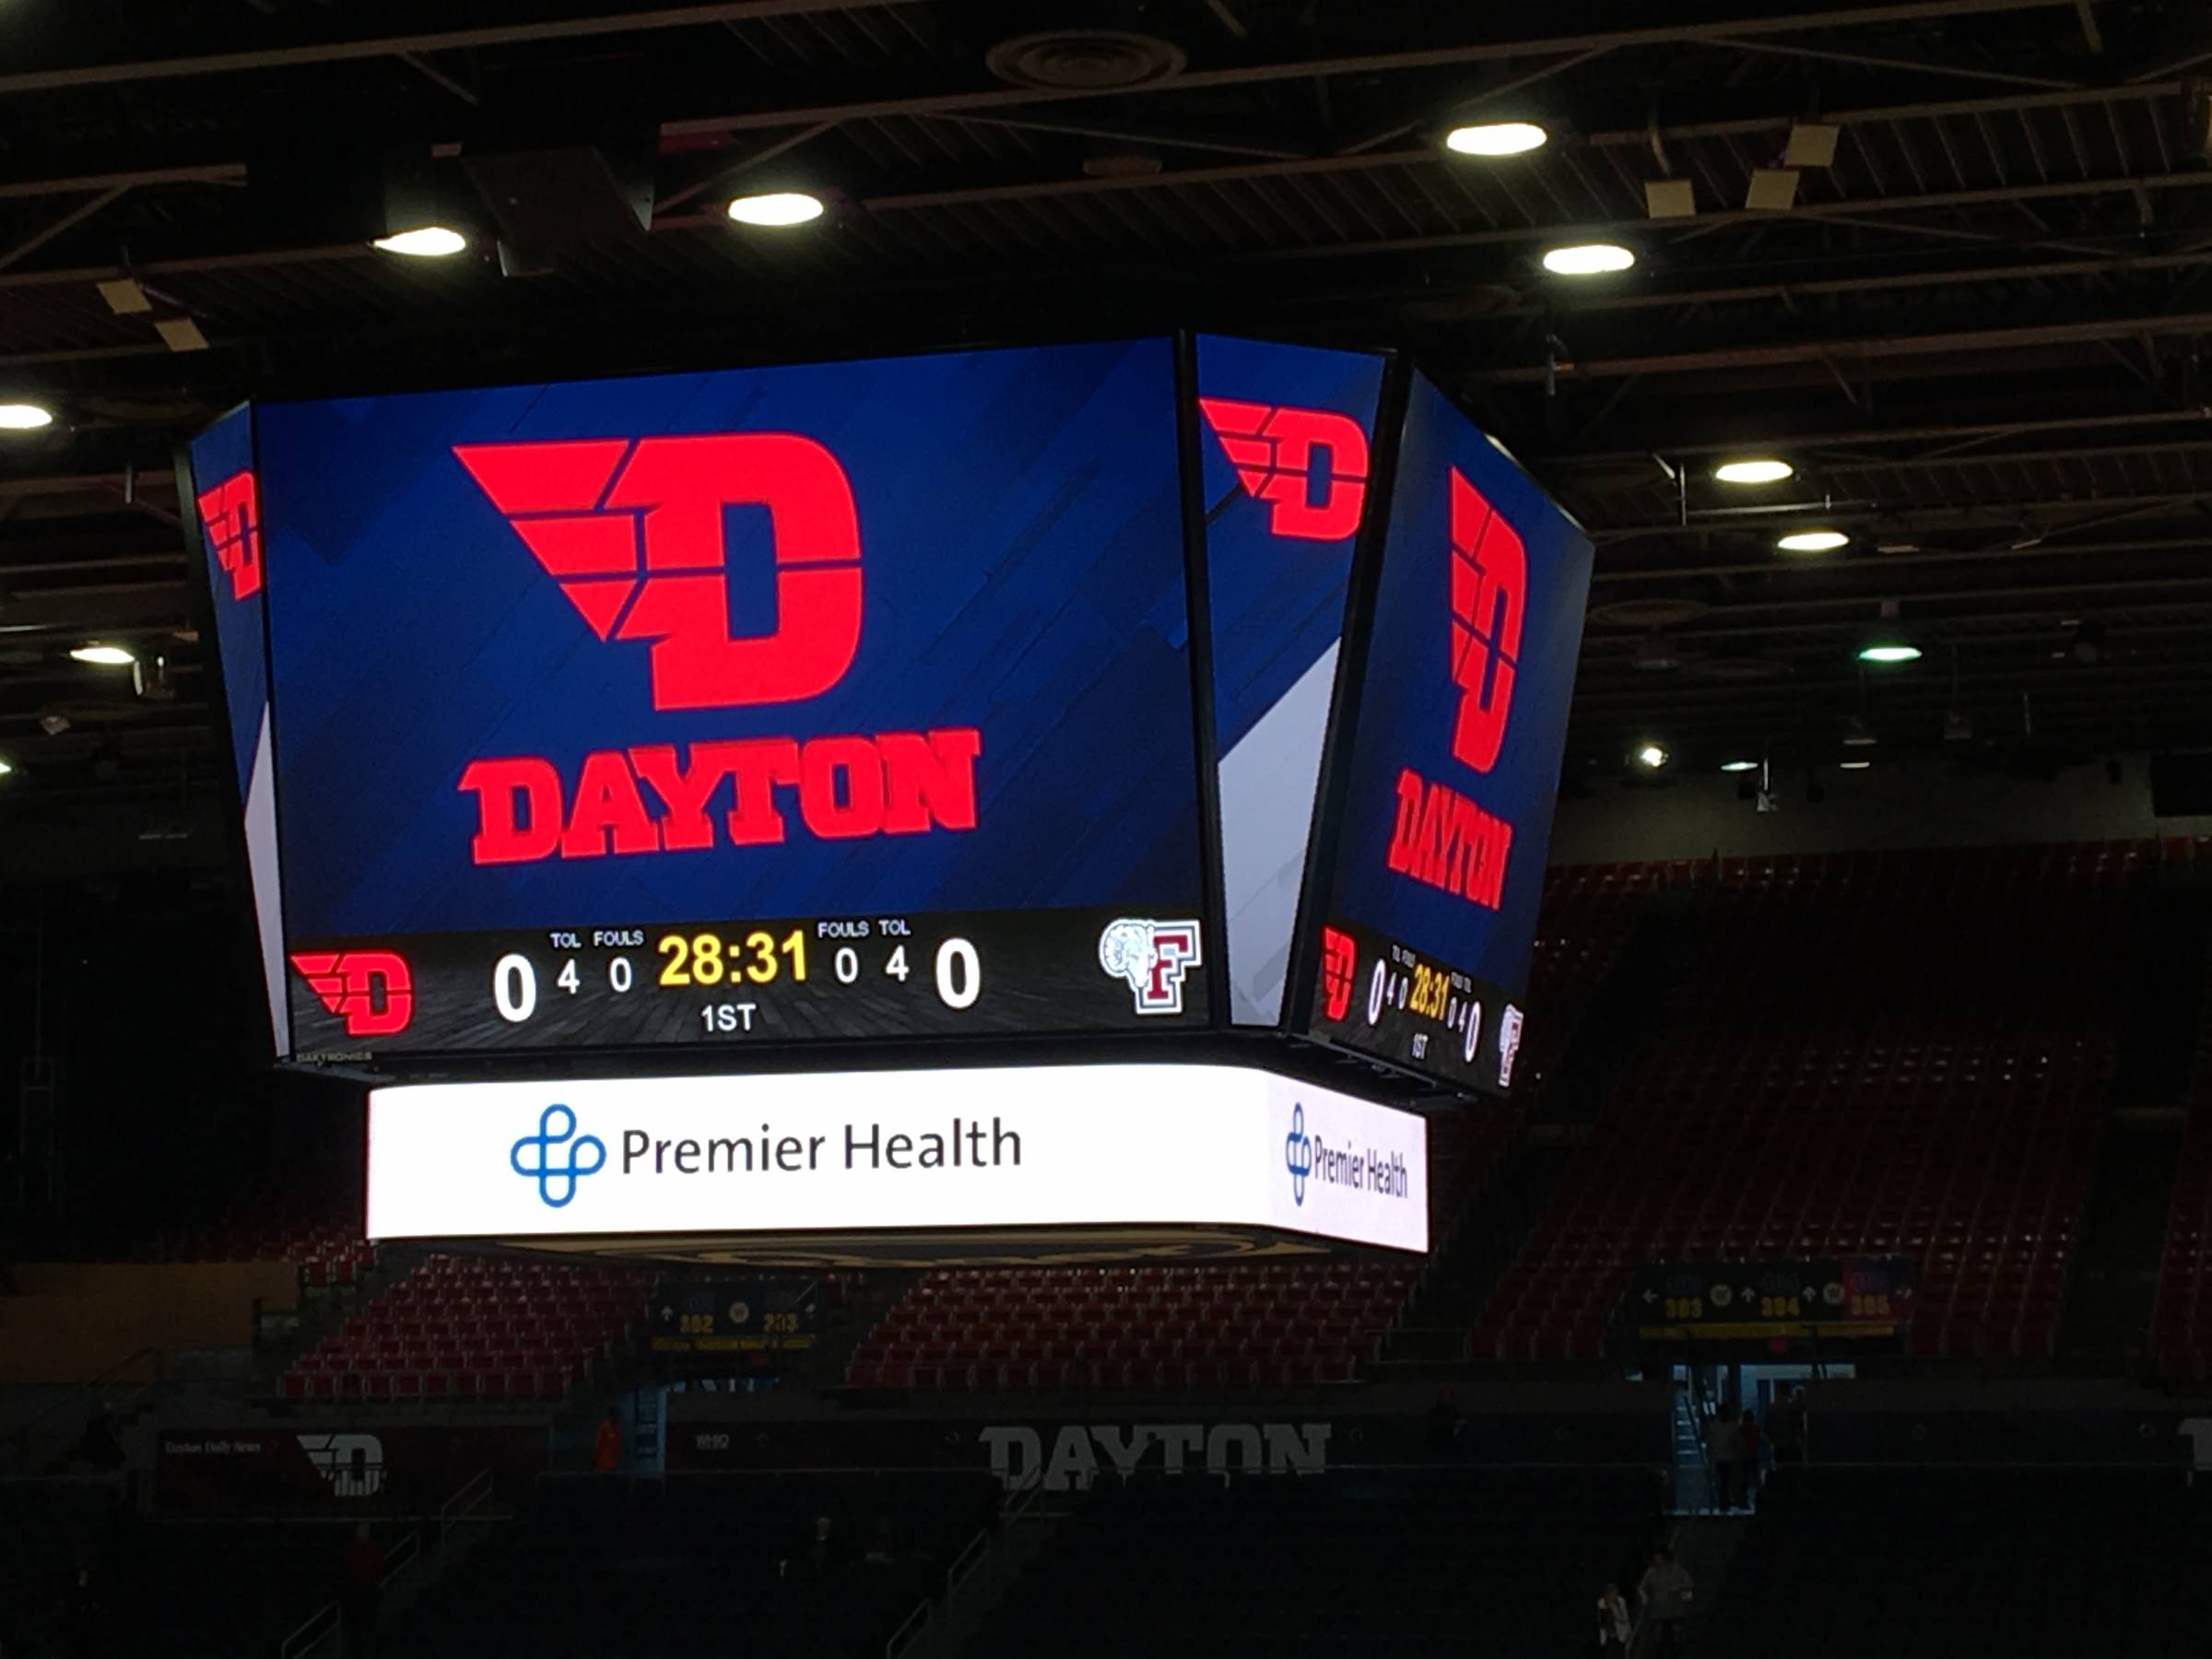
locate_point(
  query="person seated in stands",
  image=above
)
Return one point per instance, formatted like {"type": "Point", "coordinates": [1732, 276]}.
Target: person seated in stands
{"type": "Point", "coordinates": [1664, 1595]}
{"type": "Point", "coordinates": [1616, 1626]}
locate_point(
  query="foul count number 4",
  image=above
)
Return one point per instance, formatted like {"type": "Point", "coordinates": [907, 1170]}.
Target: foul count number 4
{"type": "Point", "coordinates": [705, 959]}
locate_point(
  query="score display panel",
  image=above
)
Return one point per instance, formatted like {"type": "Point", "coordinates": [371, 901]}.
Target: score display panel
{"type": "Point", "coordinates": [1444, 762]}
{"type": "Point", "coordinates": [829, 702]}
{"type": "Point", "coordinates": [1056, 690]}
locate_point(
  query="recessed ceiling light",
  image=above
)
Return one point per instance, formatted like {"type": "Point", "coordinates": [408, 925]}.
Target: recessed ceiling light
{"type": "Point", "coordinates": [24, 416]}
{"type": "Point", "coordinates": [5, 768]}
{"type": "Point", "coordinates": [1496, 138]}
{"type": "Point", "coordinates": [777, 210]}
{"type": "Point", "coordinates": [1652, 755]}
{"type": "Point", "coordinates": [1853, 765]}
{"type": "Point", "coordinates": [1739, 766]}
{"type": "Point", "coordinates": [1587, 259]}
{"type": "Point", "coordinates": [104, 657]}
{"type": "Point", "coordinates": [425, 242]}
{"type": "Point", "coordinates": [1889, 651]}
{"type": "Point", "coordinates": [1759, 469]}
{"type": "Point", "coordinates": [1813, 541]}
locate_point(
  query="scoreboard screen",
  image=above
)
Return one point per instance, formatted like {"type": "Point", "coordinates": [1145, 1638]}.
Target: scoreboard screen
{"type": "Point", "coordinates": [1447, 764]}
{"type": "Point", "coordinates": [838, 701]}
{"type": "Point", "coordinates": [1176, 684]}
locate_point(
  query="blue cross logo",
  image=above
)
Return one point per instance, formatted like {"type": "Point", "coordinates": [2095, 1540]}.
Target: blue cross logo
{"type": "Point", "coordinates": [557, 1127]}
{"type": "Point", "coordinates": [1298, 1154]}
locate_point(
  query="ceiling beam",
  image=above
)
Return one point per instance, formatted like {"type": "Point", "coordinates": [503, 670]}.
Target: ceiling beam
{"type": "Point", "coordinates": [402, 46]}
{"type": "Point", "coordinates": [1864, 349]}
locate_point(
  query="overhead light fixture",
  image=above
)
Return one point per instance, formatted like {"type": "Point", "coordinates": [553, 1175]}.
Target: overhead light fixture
{"type": "Point", "coordinates": [1652, 756]}
{"type": "Point", "coordinates": [1853, 765]}
{"type": "Point", "coordinates": [1587, 259]}
{"type": "Point", "coordinates": [1888, 651]}
{"type": "Point", "coordinates": [4, 767]}
{"type": "Point", "coordinates": [104, 657]}
{"type": "Point", "coordinates": [1772, 190]}
{"type": "Point", "coordinates": [21, 416]}
{"type": "Point", "coordinates": [1670, 198]}
{"type": "Point", "coordinates": [1739, 766]}
{"type": "Point", "coordinates": [1811, 144]}
{"type": "Point", "coordinates": [425, 242]}
{"type": "Point", "coordinates": [1857, 733]}
{"type": "Point", "coordinates": [1496, 138]}
{"type": "Point", "coordinates": [1813, 541]}
{"type": "Point", "coordinates": [778, 209]}
{"type": "Point", "coordinates": [1754, 469]}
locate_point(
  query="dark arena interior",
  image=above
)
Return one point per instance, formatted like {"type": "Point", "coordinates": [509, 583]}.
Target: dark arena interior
{"type": "Point", "coordinates": [947, 829]}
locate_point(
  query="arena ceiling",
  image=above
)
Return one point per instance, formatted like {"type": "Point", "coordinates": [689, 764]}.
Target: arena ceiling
{"type": "Point", "coordinates": [1976, 329]}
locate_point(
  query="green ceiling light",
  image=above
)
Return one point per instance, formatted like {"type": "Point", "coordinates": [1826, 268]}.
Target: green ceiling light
{"type": "Point", "coordinates": [1739, 766]}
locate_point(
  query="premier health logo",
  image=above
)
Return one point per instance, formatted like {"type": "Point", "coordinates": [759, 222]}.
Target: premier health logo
{"type": "Point", "coordinates": [557, 1129]}
{"type": "Point", "coordinates": [1309, 1157]}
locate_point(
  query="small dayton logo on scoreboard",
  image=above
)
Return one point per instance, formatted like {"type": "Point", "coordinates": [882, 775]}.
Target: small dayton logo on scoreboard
{"type": "Point", "coordinates": [533, 1156]}
{"type": "Point", "coordinates": [1298, 1154]}
{"type": "Point", "coordinates": [352, 1466]}
{"type": "Point", "coordinates": [371, 991]}
{"type": "Point", "coordinates": [1152, 958]}
{"type": "Point", "coordinates": [230, 513]}
{"type": "Point", "coordinates": [1281, 454]}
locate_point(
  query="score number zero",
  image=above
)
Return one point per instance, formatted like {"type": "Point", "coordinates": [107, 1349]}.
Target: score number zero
{"type": "Point", "coordinates": [706, 958]}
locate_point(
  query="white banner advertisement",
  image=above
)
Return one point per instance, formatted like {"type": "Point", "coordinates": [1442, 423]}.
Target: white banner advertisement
{"type": "Point", "coordinates": [1076, 1145]}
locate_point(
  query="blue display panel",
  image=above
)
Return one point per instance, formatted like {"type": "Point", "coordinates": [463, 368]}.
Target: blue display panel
{"type": "Point", "coordinates": [227, 509]}
{"type": "Point", "coordinates": [1450, 773]}
{"type": "Point", "coordinates": [1286, 432]}
{"type": "Point", "coordinates": [844, 700]}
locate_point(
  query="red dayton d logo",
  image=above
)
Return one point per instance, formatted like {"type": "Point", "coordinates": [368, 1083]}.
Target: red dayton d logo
{"type": "Point", "coordinates": [1489, 587]}
{"type": "Point", "coordinates": [1279, 452]}
{"type": "Point", "coordinates": [231, 513]}
{"type": "Point", "coordinates": [632, 532]}
{"type": "Point", "coordinates": [353, 983]}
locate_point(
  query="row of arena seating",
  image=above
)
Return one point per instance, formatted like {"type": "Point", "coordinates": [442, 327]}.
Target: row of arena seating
{"type": "Point", "coordinates": [458, 1328]}
{"type": "Point", "coordinates": [1133, 1327]}
{"type": "Point", "coordinates": [1857, 1055]}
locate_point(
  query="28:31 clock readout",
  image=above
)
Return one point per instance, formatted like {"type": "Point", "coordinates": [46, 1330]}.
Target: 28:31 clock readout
{"type": "Point", "coordinates": [705, 958]}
